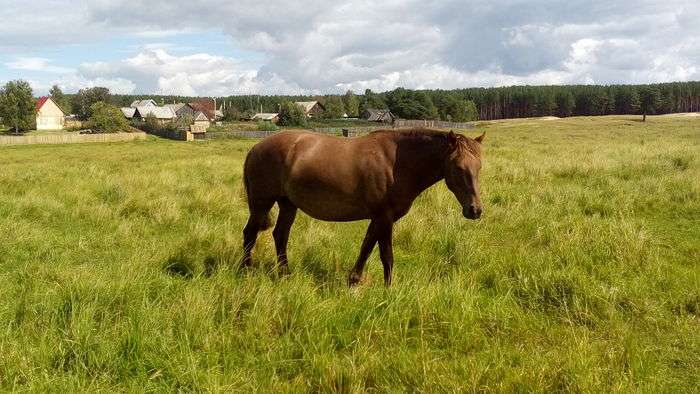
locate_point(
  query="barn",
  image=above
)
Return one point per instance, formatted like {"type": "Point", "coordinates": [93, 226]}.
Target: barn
{"type": "Point", "coordinates": [378, 115]}
{"type": "Point", "coordinates": [312, 109]}
{"type": "Point", "coordinates": [49, 116]}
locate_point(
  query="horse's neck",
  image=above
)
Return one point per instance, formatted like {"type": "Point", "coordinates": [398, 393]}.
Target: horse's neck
{"type": "Point", "coordinates": [423, 159]}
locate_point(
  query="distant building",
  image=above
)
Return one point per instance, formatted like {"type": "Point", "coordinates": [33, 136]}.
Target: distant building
{"type": "Point", "coordinates": [181, 109]}
{"type": "Point", "coordinates": [128, 112]}
{"type": "Point", "coordinates": [266, 117]}
{"type": "Point", "coordinates": [143, 103]}
{"type": "Point", "coordinates": [163, 114]}
{"type": "Point", "coordinates": [206, 106]}
{"type": "Point", "coordinates": [312, 109]}
{"type": "Point", "coordinates": [49, 116]}
{"type": "Point", "coordinates": [378, 115]}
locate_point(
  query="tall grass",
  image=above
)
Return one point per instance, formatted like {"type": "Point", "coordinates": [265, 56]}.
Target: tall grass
{"type": "Point", "coordinates": [118, 272]}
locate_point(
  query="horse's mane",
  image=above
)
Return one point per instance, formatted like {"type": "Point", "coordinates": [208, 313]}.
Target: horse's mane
{"type": "Point", "coordinates": [422, 133]}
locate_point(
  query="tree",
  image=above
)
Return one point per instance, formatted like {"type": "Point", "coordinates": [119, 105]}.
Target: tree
{"type": "Point", "coordinates": [107, 118]}
{"type": "Point", "coordinates": [352, 104]}
{"type": "Point", "coordinates": [59, 98]}
{"type": "Point", "coordinates": [232, 114]}
{"type": "Point", "coordinates": [650, 100]}
{"type": "Point", "coordinates": [371, 100]}
{"type": "Point", "coordinates": [565, 102]}
{"type": "Point", "coordinates": [627, 100]}
{"type": "Point", "coordinates": [83, 101]}
{"type": "Point", "coordinates": [17, 106]}
{"type": "Point", "coordinates": [472, 113]}
{"type": "Point", "coordinates": [291, 115]}
{"type": "Point", "coordinates": [334, 107]}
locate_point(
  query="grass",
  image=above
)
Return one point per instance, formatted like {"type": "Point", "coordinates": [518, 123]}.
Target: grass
{"type": "Point", "coordinates": [117, 272]}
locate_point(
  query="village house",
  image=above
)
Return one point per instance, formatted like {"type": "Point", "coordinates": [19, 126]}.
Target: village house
{"type": "Point", "coordinates": [312, 109]}
{"type": "Point", "coordinates": [163, 114]}
{"type": "Point", "coordinates": [378, 115]}
{"type": "Point", "coordinates": [181, 109]}
{"type": "Point", "coordinates": [266, 117]}
{"type": "Point", "coordinates": [143, 103]}
{"type": "Point", "coordinates": [49, 116]}
{"type": "Point", "coordinates": [206, 106]}
{"type": "Point", "coordinates": [128, 112]}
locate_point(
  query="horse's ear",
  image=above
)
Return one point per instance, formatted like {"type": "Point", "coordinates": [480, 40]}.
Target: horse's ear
{"type": "Point", "coordinates": [452, 138]}
{"type": "Point", "coordinates": [480, 138]}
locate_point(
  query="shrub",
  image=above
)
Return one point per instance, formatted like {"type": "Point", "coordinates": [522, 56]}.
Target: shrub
{"type": "Point", "coordinates": [266, 126]}
{"type": "Point", "coordinates": [107, 118]}
{"type": "Point", "coordinates": [291, 115]}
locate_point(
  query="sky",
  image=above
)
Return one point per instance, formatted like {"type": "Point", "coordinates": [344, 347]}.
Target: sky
{"type": "Point", "coordinates": [224, 47]}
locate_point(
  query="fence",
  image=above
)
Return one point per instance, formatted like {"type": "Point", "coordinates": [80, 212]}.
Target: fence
{"type": "Point", "coordinates": [345, 131]}
{"type": "Point", "coordinates": [69, 138]}
{"type": "Point", "coordinates": [350, 131]}
{"type": "Point", "coordinates": [436, 124]}
{"type": "Point", "coordinates": [238, 134]}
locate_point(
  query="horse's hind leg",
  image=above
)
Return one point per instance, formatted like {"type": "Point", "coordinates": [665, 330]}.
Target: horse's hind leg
{"type": "Point", "coordinates": [259, 220]}
{"type": "Point", "coordinates": [285, 219]}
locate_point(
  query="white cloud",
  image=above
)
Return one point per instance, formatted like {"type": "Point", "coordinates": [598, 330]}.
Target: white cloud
{"type": "Point", "coordinates": [157, 71]}
{"type": "Point", "coordinates": [316, 46]}
{"type": "Point", "coordinates": [37, 64]}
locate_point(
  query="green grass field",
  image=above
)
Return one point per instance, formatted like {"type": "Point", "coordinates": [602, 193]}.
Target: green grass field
{"type": "Point", "coordinates": [117, 272]}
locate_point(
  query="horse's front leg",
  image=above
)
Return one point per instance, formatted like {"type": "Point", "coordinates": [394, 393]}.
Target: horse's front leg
{"type": "Point", "coordinates": [365, 250]}
{"type": "Point", "coordinates": [386, 249]}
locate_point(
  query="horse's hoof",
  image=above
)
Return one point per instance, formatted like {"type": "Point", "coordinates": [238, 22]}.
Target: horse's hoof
{"type": "Point", "coordinates": [354, 279]}
{"type": "Point", "coordinates": [284, 271]}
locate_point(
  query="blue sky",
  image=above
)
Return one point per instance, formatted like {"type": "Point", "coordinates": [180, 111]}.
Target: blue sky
{"type": "Point", "coordinates": [219, 47]}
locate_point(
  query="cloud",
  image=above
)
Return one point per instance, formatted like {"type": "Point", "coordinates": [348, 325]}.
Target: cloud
{"type": "Point", "coordinates": [37, 64]}
{"type": "Point", "coordinates": [315, 46]}
{"type": "Point", "coordinates": [157, 71]}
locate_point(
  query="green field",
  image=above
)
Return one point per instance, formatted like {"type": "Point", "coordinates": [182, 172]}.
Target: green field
{"type": "Point", "coordinates": [117, 272]}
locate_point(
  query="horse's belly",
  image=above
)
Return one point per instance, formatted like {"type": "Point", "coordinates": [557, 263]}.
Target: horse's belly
{"type": "Point", "coordinates": [328, 205]}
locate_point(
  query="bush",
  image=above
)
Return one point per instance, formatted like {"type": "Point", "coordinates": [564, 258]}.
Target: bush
{"type": "Point", "coordinates": [151, 124]}
{"type": "Point", "coordinates": [291, 115]}
{"type": "Point", "coordinates": [266, 126]}
{"type": "Point", "coordinates": [107, 118]}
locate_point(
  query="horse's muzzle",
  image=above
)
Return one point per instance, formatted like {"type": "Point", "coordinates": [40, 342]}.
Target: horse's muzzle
{"type": "Point", "coordinates": [471, 212]}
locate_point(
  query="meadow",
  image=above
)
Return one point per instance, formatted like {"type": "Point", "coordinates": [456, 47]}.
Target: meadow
{"type": "Point", "coordinates": [118, 272]}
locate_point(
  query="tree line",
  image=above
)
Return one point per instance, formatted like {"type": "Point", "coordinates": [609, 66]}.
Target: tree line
{"type": "Point", "coordinates": [459, 105]}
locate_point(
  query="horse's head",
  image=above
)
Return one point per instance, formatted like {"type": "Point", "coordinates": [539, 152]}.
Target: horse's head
{"type": "Point", "coordinates": [462, 172]}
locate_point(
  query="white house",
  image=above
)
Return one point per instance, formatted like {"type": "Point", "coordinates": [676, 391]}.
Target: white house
{"type": "Point", "coordinates": [49, 116]}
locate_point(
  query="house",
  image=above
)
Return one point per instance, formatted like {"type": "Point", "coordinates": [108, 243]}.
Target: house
{"type": "Point", "coordinates": [312, 109]}
{"type": "Point", "coordinates": [128, 112]}
{"type": "Point", "coordinates": [49, 116]}
{"type": "Point", "coordinates": [378, 115]}
{"type": "Point", "coordinates": [266, 117]}
{"type": "Point", "coordinates": [143, 103]}
{"type": "Point", "coordinates": [206, 106]}
{"type": "Point", "coordinates": [163, 114]}
{"type": "Point", "coordinates": [181, 109]}
{"type": "Point", "coordinates": [201, 120]}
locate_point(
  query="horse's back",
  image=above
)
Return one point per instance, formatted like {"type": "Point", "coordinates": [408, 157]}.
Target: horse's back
{"type": "Point", "coordinates": [324, 176]}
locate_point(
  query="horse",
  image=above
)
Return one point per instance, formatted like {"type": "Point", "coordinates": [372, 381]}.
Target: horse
{"type": "Point", "coordinates": [376, 176]}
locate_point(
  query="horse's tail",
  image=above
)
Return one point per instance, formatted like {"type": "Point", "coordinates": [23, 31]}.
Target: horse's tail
{"type": "Point", "coordinates": [266, 223]}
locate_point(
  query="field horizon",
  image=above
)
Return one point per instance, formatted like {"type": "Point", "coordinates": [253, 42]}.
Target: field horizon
{"type": "Point", "coordinates": [118, 272]}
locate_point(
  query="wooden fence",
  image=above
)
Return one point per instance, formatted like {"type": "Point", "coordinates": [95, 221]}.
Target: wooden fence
{"type": "Point", "coordinates": [435, 124]}
{"type": "Point", "coordinates": [69, 138]}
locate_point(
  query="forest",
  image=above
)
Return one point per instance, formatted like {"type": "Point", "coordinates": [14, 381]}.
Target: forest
{"type": "Point", "coordinates": [472, 103]}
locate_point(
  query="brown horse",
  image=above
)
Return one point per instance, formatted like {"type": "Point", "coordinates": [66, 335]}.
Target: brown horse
{"type": "Point", "coordinates": [375, 177]}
